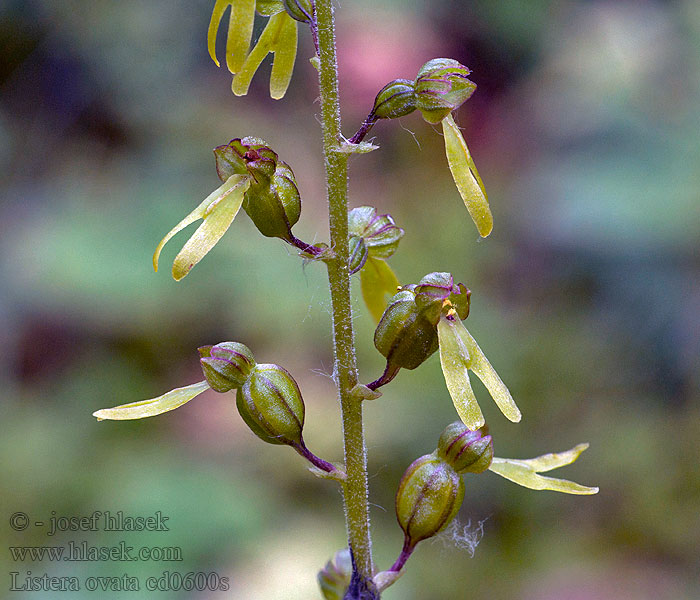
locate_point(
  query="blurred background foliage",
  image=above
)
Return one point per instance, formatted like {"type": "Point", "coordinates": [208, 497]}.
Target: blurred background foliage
{"type": "Point", "coordinates": [586, 297]}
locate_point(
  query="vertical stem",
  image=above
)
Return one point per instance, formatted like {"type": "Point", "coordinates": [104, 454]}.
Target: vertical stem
{"type": "Point", "coordinates": [345, 370]}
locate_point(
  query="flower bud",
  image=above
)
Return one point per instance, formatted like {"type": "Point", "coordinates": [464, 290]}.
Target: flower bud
{"type": "Point", "coordinates": [437, 290]}
{"type": "Point", "coordinates": [226, 366]}
{"type": "Point", "coordinates": [396, 99]}
{"type": "Point", "coordinates": [379, 232]}
{"type": "Point", "coordinates": [299, 10]}
{"type": "Point", "coordinates": [335, 577]}
{"type": "Point", "coordinates": [466, 451]}
{"type": "Point", "coordinates": [272, 200]}
{"type": "Point", "coordinates": [430, 494]}
{"type": "Point", "coordinates": [442, 86]}
{"type": "Point", "coordinates": [358, 253]}
{"type": "Point", "coordinates": [270, 403]}
{"type": "Point", "coordinates": [404, 336]}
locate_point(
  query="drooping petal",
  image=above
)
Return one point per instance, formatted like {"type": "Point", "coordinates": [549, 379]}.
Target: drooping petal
{"type": "Point", "coordinates": [217, 219]}
{"type": "Point", "coordinates": [378, 283]}
{"type": "Point", "coordinates": [266, 43]}
{"type": "Point", "coordinates": [526, 472]}
{"type": "Point", "coordinates": [285, 54]}
{"type": "Point", "coordinates": [455, 361]}
{"type": "Point", "coordinates": [214, 23]}
{"type": "Point", "coordinates": [484, 371]}
{"type": "Point", "coordinates": [466, 177]}
{"type": "Point", "coordinates": [200, 212]}
{"type": "Point", "coordinates": [240, 30]}
{"type": "Point", "coordinates": [155, 406]}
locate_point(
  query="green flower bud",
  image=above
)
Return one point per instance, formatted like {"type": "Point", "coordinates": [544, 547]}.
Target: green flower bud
{"type": "Point", "coordinates": [300, 10]}
{"type": "Point", "coordinates": [404, 336]}
{"type": "Point", "coordinates": [436, 291]}
{"type": "Point", "coordinates": [358, 253]}
{"type": "Point", "coordinates": [442, 86]}
{"type": "Point", "coordinates": [226, 366]}
{"type": "Point", "coordinates": [379, 232]}
{"type": "Point", "coordinates": [335, 577]}
{"type": "Point", "coordinates": [396, 99]}
{"type": "Point", "coordinates": [270, 403]}
{"type": "Point", "coordinates": [466, 451]}
{"type": "Point", "coordinates": [272, 200]}
{"type": "Point", "coordinates": [430, 494]}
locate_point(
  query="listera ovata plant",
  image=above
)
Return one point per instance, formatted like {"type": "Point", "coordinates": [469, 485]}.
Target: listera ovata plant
{"type": "Point", "coordinates": [414, 320]}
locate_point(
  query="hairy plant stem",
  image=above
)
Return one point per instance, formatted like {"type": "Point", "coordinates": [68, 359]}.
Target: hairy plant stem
{"type": "Point", "coordinates": [355, 490]}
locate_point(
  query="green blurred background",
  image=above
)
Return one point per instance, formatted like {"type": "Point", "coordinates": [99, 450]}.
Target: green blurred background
{"type": "Point", "coordinates": [586, 297]}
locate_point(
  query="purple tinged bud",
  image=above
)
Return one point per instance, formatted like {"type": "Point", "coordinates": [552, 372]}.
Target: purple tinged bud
{"type": "Point", "coordinates": [226, 366]}
{"type": "Point", "coordinates": [466, 451]}
{"type": "Point", "coordinates": [441, 87]}
{"type": "Point", "coordinates": [380, 233]}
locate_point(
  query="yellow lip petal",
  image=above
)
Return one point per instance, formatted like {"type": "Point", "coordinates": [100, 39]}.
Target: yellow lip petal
{"type": "Point", "coordinates": [199, 213]}
{"type": "Point", "coordinates": [217, 220]}
{"type": "Point", "coordinates": [466, 177]}
{"type": "Point", "coordinates": [526, 472]}
{"type": "Point", "coordinates": [155, 406]}
{"type": "Point", "coordinates": [240, 30]}
{"type": "Point", "coordinates": [214, 23]}
{"type": "Point", "coordinates": [455, 360]}
{"type": "Point", "coordinates": [377, 282]}
{"type": "Point", "coordinates": [285, 55]}
{"type": "Point", "coordinates": [266, 43]}
{"type": "Point", "coordinates": [484, 371]}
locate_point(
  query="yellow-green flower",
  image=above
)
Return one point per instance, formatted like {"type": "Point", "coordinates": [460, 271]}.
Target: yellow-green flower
{"type": "Point", "coordinates": [373, 239]}
{"type": "Point", "coordinates": [218, 211]}
{"type": "Point", "coordinates": [527, 472]}
{"type": "Point", "coordinates": [279, 37]}
{"type": "Point", "coordinates": [459, 353]}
